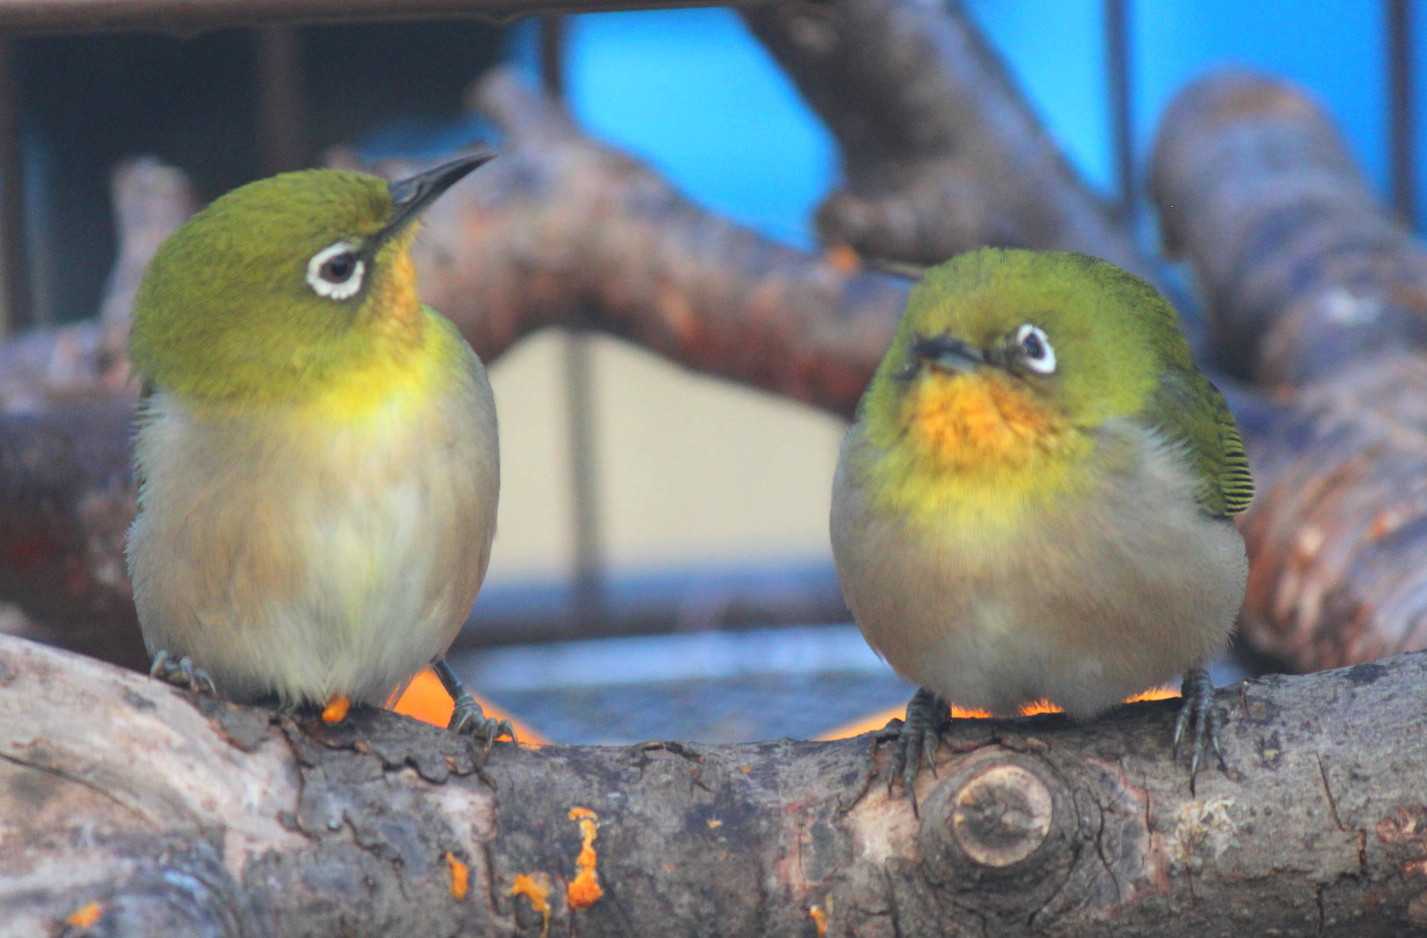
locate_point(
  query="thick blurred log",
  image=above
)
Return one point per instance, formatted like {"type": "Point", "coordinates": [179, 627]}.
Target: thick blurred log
{"type": "Point", "coordinates": [942, 153]}
{"type": "Point", "coordinates": [1338, 532]}
{"type": "Point", "coordinates": [89, 361]}
{"type": "Point", "coordinates": [236, 822]}
{"type": "Point", "coordinates": [1305, 271]}
{"type": "Point", "coordinates": [66, 500]}
{"type": "Point", "coordinates": [1317, 291]}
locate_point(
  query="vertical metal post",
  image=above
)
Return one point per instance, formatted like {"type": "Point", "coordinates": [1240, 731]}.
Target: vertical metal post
{"type": "Point", "coordinates": [16, 313]}
{"type": "Point", "coordinates": [1401, 122]}
{"type": "Point", "coordinates": [1117, 63]}
{"type": "Point", "coordinates": [282, 119]}
{"type": "Point", "coordinates": [589, 596]}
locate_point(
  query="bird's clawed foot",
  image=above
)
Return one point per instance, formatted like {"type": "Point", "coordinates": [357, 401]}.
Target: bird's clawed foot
{"type": "Point", "coordinates": [468, 718]}
{"type": "Point", "coordinates": [917, 740]}
{"type": "Point", "coordinates": [180, 672]}
{"type": "Point", "coordinates": [1197, 714]}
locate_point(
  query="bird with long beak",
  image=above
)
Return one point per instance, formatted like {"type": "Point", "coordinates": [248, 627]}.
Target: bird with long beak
{"type": "Point", "coordinates": [316, 449]}
{"type": "Point", "coordinates": [1036, 499]}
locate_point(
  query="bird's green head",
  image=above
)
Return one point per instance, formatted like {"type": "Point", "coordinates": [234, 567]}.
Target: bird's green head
{"type": "Point", "coordinates": [284, 284]}
{"type": "Point", "coordinates": [1006, 361]}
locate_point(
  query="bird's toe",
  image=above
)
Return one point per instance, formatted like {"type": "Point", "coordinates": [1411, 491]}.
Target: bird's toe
{"type": "Point", "coordinates": [180, 671]}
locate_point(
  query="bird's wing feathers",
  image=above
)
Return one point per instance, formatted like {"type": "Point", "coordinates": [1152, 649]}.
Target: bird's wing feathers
{"type": "Point", "coordinates": [1191, 412]}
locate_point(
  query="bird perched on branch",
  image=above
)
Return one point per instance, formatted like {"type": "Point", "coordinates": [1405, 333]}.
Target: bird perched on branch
{"type": "Point", "coordinates": [316, 450]}
{"type": "Point", "coordinates": [1035, 501]}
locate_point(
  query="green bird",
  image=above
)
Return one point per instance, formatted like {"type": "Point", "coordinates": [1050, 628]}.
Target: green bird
{"type": "Point", "coordinates": [316, 449]}
{"type": "Point", "coordinates": [1035, 501]}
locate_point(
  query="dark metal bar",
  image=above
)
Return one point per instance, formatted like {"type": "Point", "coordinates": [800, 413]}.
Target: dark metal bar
{"type": "Point", "coordinates": [17, 312]}
{"type": "Point", "coordinates": [1401, 121]}
{"type": "Point", "coordinates": [282, 121]}
{"type": "Point", "coordinates": [589, 601]}
{"type": "Point", "coordinates": [188, 16]}
{"type": "Point", "coordinates": [1117, 63]}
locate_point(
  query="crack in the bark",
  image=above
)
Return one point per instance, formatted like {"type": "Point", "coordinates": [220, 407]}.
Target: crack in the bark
{"type": "Point", "coordinates": [687, 753]}
{"type": "Point", "coordinates": [1076, 849]}
{"type": "Point", "coordinates": [492, 894]}
{"type": "Point", "coordinates": [83, 783]}
{"type": "Point", "coordinates": [1149, 825]}
{"type": "Point", "coordinates": [1332, 802]}
{"type": "Point", "coordinates": [1100, 850]}
{"type": "Point", "coordinates": [301, 770]}
{"type": "Point", "coordinates": [868, 777]}
{"type": "Point", "coordinates": [1362, 835]}
{"type": "Point", "coordinates": [1322, 914]}
{"type": "Point", "coordinates": [375, 848]}
{"type": "Point", "coordinates": [892, 903]}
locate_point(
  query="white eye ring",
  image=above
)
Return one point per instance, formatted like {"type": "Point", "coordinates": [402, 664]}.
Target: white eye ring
{"type": "Point", "coordinates": [1036, 350]}
{"type": "Point", "coordinates": [330, 282]}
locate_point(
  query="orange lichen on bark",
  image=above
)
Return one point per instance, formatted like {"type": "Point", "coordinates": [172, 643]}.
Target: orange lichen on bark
{"type": "Point", "coordinates": [336, 710]}
{"type": "Point", "coordinates": [819, 918]}
{"type": "Point", "coordinates": [460, 876]}
{"type": "Point", "coordinates": [536, 890]}
{"type": "Point", "coordinates": [584, 890]}
{"type": "Point", "coordinates": [426, 700]}
{"type": "Point", "coordinates": [86, 916]}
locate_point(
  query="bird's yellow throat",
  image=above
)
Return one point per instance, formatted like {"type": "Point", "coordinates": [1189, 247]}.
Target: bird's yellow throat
{"type": "Point", "coordinates": [976, 446]}
{"type": "Point", "coordinates": [975, 423]}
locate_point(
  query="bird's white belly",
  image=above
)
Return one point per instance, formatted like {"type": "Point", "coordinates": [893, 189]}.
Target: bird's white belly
{"type": "Point", "coordinates": [1083, 607]}
{"type": "Point", "coordinates": [335, 560]}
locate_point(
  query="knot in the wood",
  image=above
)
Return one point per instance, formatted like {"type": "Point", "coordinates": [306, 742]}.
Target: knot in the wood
{"type": "Point", "coordinates": [994, 816]}
{"type": "Point", "coordinates": [1001, 815]}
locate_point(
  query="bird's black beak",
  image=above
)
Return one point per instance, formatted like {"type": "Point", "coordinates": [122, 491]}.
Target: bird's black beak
{"type": "Point", "coordinates": [410, 196]}
{"type": "Point", "coordinates": [947, 354]}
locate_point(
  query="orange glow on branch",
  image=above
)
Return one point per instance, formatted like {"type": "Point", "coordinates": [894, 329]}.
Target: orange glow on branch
{"type": "Point", "coordinates": [584, 890]}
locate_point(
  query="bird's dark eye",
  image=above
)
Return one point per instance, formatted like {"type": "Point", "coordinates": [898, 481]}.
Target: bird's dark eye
{"type": "Point", "coordinates": [1035, 349]}
{"type": "Point", "coordinates": [338, 269]}
{"type": "Point", "coordinates": [335, 272]}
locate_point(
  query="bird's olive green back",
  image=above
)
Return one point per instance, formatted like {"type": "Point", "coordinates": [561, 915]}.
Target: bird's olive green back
{"type": "Point", "coordinates": [1189, 410]}
{"type": "Point", "coordinates": [1186, 408]}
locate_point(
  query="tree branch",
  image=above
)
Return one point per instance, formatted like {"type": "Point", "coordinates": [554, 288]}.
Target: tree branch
{"type": "Point", "coordinates": [1305, 272]}
{"type": "Point", "coordinates": [66, 500]}
{"type": "Point", "coordinates": [1314, 289]}
{"type": "Point", "coordinates": [237, 822]}
{"type": "Point", "coordinates": [941, 151]}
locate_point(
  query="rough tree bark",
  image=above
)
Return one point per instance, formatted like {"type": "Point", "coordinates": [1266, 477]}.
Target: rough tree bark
{"type": "Point", "coordinates": [1317, 293]}
{"type": "Point", "coordinates": [148, 812]}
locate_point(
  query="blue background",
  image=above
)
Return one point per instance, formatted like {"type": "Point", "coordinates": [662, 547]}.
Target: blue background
{"type": "Point", "coordinates": [694, 94]}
